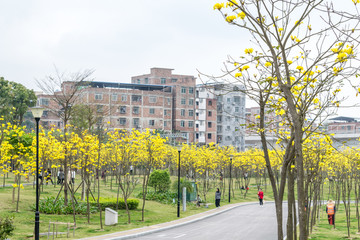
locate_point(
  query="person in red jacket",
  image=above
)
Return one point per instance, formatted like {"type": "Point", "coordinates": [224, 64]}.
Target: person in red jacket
{"type": "Point", "coordinates": [261, 197]}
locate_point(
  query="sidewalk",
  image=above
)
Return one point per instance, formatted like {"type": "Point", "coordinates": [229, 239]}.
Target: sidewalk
{"type": "Point", "coordinates": [163, 226]}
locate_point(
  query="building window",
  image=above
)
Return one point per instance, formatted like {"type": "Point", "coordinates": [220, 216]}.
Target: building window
{"type": "Point", "coordinates": [183, 101]}
{"type": "Point", "coordinates": [228, 118]}
{"type": "Point", "coordinates": [209, 124]}
{"type": "Point", "coordinates": [197, 125]}
{"type": "Point", "coordinates": [228, 128]}
{"type": "Point", "coordinates": [136, 110]}
{"type": "Point", "coordinates": [136, 98]}
{"type": "Point", "coordinates": [219, 128]}
{"type": "Point", "coordinates": [44, 101]}
{"type": "Point", "coordinates": [209, 113]}
{"type": "Point", "coordinates": [114, 97]}
{"type": "Point", "coordinates": [152, 110]}
{"type": "Point", "coordinates": [182, 123]}
{"type": "Point", "coordinates": [152, 99]}
{"type": "Point", "coordinates": [151, 122]}
{"type": "Point", "coordinates": [123, 98]}
{"type": "Point", "coordinates": [182, 112]}
{"type": "Point", "coordinates": [237, 109]}
{"type": "Point", "coordinates": [210, 103]}
{"type": "Point", "coordinates": [122, 121]}
{"type": "Point", "coordinates": [122, 109]}
{"type": "Point", "coordinates": [191, 90]}
{"type": "Point", "coordinates": [191, 101]}
{"type": "Point", "coordinates": [163, 80]}
{"type": "Point", "coordinates": [136, 122]}
{"type": "Point", "coordinates": [209, 135]}
{"type": "Point", "coordinates": [138, 81]}
{"type": "Point", "coordinates": [191, 113]}
{"type": "Point", "coordinates": [174, 80]}
{"type": "Point", "coordinates": [197, 136]}
{"type": "Point", "coordinates": [191, 124]}
{"type": "Point", "coordinates": [197, 103]}
{"type": "Point", "coordinates": [168, 101]}
{"type": "Point", "coordinates": [228, 138]}
{"type": "Point", "coordinates": [183, 89]}
{"type": "Point", "coordinates": [197, 114]}
{"type": "Point", "coordinates": [165, 123]}
{"type": "Point", "coordinates": [165, 112]}
{"type": "Point", "coordinates": [237, 99]}
{"type": "Point", "coordinates": [228, 100]}
{"type": "Point", "coordinates": [146, 80]}
{"type": "Point", "coordinates": [219, 119]}
{"type": "Point", "coordinates": [197, 93]}
{"type": "Point", "coordinates": [98, 96]}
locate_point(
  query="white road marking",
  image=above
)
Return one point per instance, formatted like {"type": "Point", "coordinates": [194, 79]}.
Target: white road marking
{"type": "Point", "coordinates": [162, 235]}
{"type": "Point", "coordinates": [180, 235]}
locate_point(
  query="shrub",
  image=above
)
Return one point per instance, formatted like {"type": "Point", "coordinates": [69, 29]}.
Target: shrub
{"type": "Point", "coordinates": [111, 203]}
{"type": "Point", "coordinates": [162, 197]}
{"type": "Point", "coordinates": [48, 206]}
{"type": "Point", "coordinates": [6, 227]}
{"type": "Point", "coordinates": [160, 180]}
{"type": "Point", "coordinates": [183, 183]}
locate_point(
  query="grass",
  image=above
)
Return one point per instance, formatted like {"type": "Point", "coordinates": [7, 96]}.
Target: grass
{"type": "Point", "coordinates": [155, 212]}
{"type": "Point", "coordinates": [324, 231]}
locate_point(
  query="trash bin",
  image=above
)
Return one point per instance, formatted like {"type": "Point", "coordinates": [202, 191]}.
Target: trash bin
{"type": "Point", "coordinates": [111, 216]}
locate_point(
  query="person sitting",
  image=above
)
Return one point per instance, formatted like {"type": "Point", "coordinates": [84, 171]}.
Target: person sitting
{"type": "Point", "coordinates": [198, 200]}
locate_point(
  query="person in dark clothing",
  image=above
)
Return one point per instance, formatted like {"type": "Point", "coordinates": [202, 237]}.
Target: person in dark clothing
{"type": "Point", "coordinates": [217, 197]}
{"type": "Point", "coordinates": [61, 176]}
{"type": "Point", "coordinates": [261, 197]}
{"type": "Point", "coordinates": [48, 177]}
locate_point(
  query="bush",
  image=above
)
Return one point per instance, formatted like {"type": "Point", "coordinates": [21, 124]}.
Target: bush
{"type": "Point", "coordinates": [48, 206]}
{"type": "Point", "coordinates": [111, 203]}
{"type": "Point", "coordinates": [183, 183]}
{"type": "Point", "coordinates": [160, 180]}
{"type": "Point", "coordinates": [162, 197]}
{"type": "Point", "coordinates": [6, 227]}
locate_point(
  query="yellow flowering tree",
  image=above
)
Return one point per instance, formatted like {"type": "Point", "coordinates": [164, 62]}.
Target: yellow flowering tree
{"type": "Point", "coordinates": [304, 64]}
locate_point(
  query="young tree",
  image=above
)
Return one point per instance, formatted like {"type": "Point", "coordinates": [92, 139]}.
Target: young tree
{"type": "Point", "coordinates": [304, 63]}
{"type": "Point", "coordinates": [64, 90]}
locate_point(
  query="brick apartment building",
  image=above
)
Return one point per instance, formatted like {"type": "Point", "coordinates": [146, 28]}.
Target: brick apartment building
{"type": "Point", "coordinates": [161, 100]}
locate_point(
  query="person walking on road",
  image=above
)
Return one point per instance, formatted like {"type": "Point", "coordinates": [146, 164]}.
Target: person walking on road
{"type": "Point", "coordinates": [217, 197]}
{"type": "Point", "coordinates": [261, 197]}
{"type": "Point", "coordinates": [330, 210]}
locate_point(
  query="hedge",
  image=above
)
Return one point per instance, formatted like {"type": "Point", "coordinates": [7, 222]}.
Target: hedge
{"type": "Point", "coordinates": [111, 203]}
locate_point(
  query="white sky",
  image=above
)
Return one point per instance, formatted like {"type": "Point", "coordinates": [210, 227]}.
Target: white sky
{"type": "Point", "coordinates": [117, 38]}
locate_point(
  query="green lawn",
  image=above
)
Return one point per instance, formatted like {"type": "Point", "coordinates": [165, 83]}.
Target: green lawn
{"type": "Point", "coordinates": [155, 212]}
{"type": "Point", "coordinates": [323, 230]}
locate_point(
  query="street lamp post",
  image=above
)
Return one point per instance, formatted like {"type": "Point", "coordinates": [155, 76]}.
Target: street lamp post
{"type": "Point", "coordinates": [231, 157]}
{"type": "Point", "coordinates": [178, 203]}
{"type": "Point", "coordinates": [37, 113]}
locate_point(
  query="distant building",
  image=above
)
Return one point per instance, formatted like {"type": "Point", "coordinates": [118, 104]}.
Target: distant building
{"type": "Point", "coordinates": [221, 115]}
{"type": "Point", "coordinates": [346, 131]}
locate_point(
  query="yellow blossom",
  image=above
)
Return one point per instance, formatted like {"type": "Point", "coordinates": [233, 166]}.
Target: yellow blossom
{"type": "Point", "coordinates": [218, 6]}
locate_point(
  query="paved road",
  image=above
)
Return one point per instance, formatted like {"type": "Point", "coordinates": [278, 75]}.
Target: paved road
{"type": "Point", "coordinates": [244, 222]}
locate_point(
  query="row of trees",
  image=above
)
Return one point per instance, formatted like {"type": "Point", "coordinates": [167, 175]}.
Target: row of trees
{"type": "Point", "coordinates": [120, 152]}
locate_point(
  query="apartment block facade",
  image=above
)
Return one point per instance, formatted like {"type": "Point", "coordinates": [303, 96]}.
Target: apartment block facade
{"type": "Point", "coordinates": [171, 103]}
{"type": "Point", "coordinates": [221, 115]}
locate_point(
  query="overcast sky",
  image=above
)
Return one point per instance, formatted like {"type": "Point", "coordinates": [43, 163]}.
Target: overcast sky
{"type": "Point", "coordinates": [116, 38]}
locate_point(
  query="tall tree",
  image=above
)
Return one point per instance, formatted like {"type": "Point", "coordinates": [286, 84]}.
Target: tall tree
{"type": "Point", "coordinates": [15, 99]}
{"type": "Point", "coordinates": [305, 54]}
